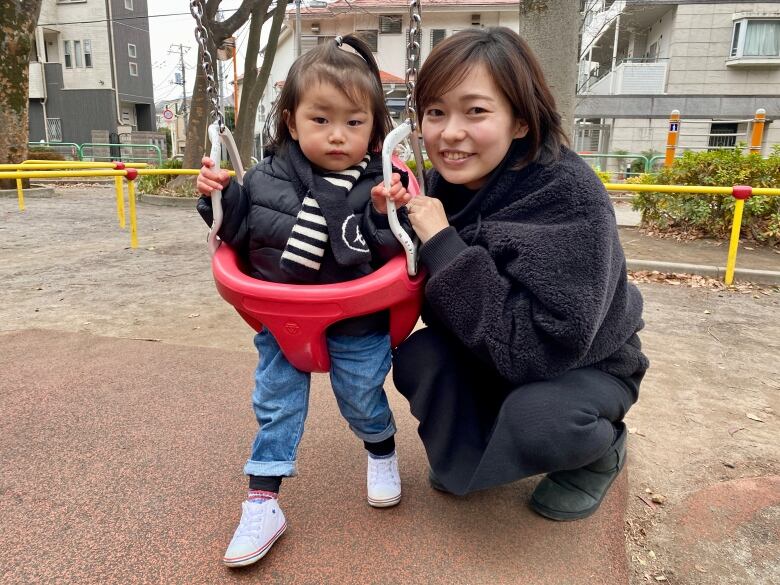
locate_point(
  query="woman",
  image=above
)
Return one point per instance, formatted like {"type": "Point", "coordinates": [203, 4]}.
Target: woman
{"type": "Point", "coordinates": [530, 358]}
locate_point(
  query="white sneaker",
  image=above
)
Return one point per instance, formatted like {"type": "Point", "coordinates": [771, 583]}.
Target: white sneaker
{"type": "Point", "coordinates": [261, 524]}
{"type": "Point", "coordinates": [383, 482]}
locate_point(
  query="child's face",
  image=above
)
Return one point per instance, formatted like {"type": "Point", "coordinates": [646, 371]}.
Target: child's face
{"type": "Point", "coordinates": [333, 131]}
{"type": "Point", "coordinates": [468, 130]}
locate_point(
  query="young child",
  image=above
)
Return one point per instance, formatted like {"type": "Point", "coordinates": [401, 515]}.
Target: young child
{"type": "Point", "coordinates": [304, 215]}
{"type": "Point", "coordinates": [531, 354]}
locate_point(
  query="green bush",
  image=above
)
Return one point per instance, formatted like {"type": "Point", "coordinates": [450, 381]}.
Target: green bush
{"type": "Point", "coordinates": [154, 183]}
{"type": "Point", "coordinates": [603, 175]}
{"type": "Point", "coordinates": [711, 215]}
{"type": "Point", "coordinates": [412, 164]}
{"type": "Point", "coordinates": [43, 153]}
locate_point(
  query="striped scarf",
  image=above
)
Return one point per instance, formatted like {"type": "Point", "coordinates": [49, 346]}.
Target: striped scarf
{"type": "Point", "coordinates": [325, 217]}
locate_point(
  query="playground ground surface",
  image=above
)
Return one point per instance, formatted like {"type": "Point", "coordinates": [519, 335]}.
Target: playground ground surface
{"type": "Point", "coordinates": [125, 380]}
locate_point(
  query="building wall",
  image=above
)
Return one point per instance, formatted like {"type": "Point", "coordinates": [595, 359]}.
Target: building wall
{"type": "Point", "coordinates": [140, 88]}
{"type": "Point", "coordinates": [663, 33]}
{"type": "Point", "coordinates": [99, 75]}
{"type": "Point", "coordinates": [701, 46]}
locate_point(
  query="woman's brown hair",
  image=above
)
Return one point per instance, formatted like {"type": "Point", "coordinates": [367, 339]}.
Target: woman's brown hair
{"type": "Point", "coordinates": [517, 74]}
{"type": "Point", "coordinates": [356, 75]}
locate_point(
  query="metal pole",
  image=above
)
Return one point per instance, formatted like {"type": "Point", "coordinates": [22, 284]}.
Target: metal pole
{"type": "Point", "coordinates": [671, 137]}
{"type": "Point", "coordinates": [612, 73]}
{"type": "Point", "coordinates": [297, 28]}
{"type": "Point", "coordinates": [758, 131]}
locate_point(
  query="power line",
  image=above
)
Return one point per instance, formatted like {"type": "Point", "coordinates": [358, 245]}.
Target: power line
{"type": "Point", "coordinates": [123, 18]}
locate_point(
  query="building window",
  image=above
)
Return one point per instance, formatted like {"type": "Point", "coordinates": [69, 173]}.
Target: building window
{"type": "Point", "coordinates": [87, 53]}
{"type": "Point", "coordinates": [437, 36]}
{"type": "Point", "coordinates": [78, 54]}
{"type": "Point", "coordinates": [371, 38]}
{"type": "Point", "coordinates": [129, 4]}
{"type": "Point", "coordinates": [722, 136]}
{"type": "Point", "coordinates": [131, 50]}
{"type": "Point", "coordinates": [756, 38]}
{"type": "Point", "coordinates": [389, 25]}
{"type": "Point", "coordinates": [133, 69]}
{"type": "Point", "coordinates": [68, 55]}
{"type": "Point", "coordinates": [54, 129]}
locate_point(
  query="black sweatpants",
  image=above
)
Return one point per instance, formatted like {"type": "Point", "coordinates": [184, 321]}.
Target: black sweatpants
{"type": "Point", "coordinates": [480, 432]}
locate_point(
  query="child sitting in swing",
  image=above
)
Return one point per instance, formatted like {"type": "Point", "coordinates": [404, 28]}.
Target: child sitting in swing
{"type": "Point", "coordinates": [304, 215]}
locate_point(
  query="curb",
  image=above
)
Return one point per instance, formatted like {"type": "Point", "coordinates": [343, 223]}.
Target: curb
{"type": "Point", "coordinates": [719, 272]}
{"type": "Point", "coordinates": [165, 201]}
{"type": "Point", "coordinates": [36, 191]}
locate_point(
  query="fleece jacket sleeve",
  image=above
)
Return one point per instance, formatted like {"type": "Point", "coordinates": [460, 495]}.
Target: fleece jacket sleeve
{"type": "Point", "coordinates": [530, 296]}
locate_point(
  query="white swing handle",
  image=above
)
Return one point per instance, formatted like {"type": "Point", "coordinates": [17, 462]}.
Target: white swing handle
{"type": "Point", "coordinates": [218, 138]}
{"type": "Point", "coordinates": [393, 139]}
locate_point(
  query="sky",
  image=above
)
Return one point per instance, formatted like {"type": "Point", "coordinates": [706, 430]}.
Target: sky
{"type": "Point", "coordinates": [170, 23]}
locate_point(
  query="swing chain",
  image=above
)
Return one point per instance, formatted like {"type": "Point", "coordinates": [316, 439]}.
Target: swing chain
{"type": "Point", "coordinates": [207, 62]}
{"type": "Point", "coordinates": [413, 52]}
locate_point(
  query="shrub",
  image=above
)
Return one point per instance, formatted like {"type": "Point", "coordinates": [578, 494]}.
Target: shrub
{"type": "Point", "coordinates": [603, 175]}
{"type": "Point", "coordinates": [711, 215]}
{"type": "Point", "coordinates": [154, 183]}
{"type": "Point", "coordinates": [43, 153]}
{"type": "Point", "coordinates": [412, 164]}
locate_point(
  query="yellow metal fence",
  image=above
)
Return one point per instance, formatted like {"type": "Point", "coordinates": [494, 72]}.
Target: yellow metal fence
{"type": "Point", "coordinates": [128, 172]}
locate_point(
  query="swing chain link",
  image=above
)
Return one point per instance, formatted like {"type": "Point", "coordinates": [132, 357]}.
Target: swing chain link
{"type": "Point", "coordinates": [207, 62]}
{"type": "Point", "coordinates": [413, 54]}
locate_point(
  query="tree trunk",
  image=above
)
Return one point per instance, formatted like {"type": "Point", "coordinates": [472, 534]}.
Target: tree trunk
{"type": "Point", "coordinates": [17, 28]}
{"type": "Point", "coordinates": [254, 81]}
{"type": "Point", "coordinates": [551, 27]}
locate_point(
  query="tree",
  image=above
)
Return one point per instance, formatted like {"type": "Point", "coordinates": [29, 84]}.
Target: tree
{"type": "Point", "coordinates": [18, 19]}
{"type": "Point", "coordinates": [256, 79]}
{"type": "Point", "coordinates": [200, 109]}
{"type": "Point", "coordinates": [551, 27]}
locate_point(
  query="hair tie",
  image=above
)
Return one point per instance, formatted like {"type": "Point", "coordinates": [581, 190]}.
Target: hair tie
{"type": "Point", "coordinates": [338, 41]}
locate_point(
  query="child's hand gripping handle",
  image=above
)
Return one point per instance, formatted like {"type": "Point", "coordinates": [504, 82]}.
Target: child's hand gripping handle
{"type": "Point", "coordinates": [391, 141]}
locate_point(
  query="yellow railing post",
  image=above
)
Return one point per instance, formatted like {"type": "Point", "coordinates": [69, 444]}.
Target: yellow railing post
{"type": "Point", "coordinates": [672, 136]}
{"type": "Point", "coordinates": [740, 193]}
{"type": "Point", "coordinates": [757, 135]}
{"type": "Point", "coordinates": [131, 176]}
{"type": "Point", "coordinates": [120, 201]}
{"type": "Point", "coordinates": [20, 194]}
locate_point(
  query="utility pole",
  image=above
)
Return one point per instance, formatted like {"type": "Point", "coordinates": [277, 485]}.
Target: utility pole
{"type": "Point", "coordinates": [183, 79]}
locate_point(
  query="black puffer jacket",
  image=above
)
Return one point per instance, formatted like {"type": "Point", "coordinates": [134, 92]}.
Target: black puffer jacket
{"type": "Point", "coordinates": [259, 217]}
{"type": "Point", "coordinates": [530, 275]}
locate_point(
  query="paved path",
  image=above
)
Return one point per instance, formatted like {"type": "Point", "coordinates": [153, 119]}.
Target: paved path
{"type": "Point", "coordinates": [122, 464]}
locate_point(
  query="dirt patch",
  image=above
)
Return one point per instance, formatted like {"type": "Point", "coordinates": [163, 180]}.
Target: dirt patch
{"type": "Point", "coordinates": [708, 409]}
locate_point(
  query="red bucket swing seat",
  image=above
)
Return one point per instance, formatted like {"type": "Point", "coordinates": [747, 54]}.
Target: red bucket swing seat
{"type": "Point", "coordinates": [298, 314]}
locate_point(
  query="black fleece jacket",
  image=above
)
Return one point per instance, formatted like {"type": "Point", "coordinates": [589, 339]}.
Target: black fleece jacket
{"type": "Point", "coordinates": [531, 275]}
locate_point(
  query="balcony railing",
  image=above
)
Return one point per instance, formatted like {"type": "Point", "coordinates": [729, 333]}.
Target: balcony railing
{"type": "Point", "coordinates": [631, 76]}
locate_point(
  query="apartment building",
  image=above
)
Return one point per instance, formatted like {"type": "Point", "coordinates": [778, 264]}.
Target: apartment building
{"type": "Point", "coordinates": [715, 62]}
{"type": "Point", "coordinates": [385, 25]}
{"type": "Point", "coordinates": [91, 72]}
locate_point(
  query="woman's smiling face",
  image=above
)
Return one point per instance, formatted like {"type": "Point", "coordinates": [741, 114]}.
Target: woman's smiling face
{"type": "Point", "coordinates": [468, 131]}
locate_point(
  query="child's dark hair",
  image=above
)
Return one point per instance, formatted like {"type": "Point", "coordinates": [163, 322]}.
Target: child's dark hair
{"type": "Point", "coordinates": [517, 74]}
{"type": "Point", "coordinates": [355, 75]}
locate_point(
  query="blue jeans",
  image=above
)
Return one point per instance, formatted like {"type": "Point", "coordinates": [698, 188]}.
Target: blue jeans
{"type": "Point", "coordinates": [359, 366]}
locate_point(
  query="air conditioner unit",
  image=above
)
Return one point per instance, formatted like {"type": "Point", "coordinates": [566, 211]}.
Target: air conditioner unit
{"type": "Point", "coordinates": [476, 20]}
{"type": "Point", "coordinates": [315, 27]}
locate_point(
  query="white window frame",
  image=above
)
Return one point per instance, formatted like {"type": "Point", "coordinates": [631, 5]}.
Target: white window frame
{"type": "Point", "coordinates": [67, 54]}
{"type": "Point", "coordinates": [738, 39]}
{"type": "Point", "coordinates": [78, 54]}
{"type": "Point", "coordinates": [133, 68]}
{"type": "Point", "coordinates": [132, 51]}
{"type": "Point", "coordinates": [128, 4]}
{"type": "Point", "coordinates": [87, 53]}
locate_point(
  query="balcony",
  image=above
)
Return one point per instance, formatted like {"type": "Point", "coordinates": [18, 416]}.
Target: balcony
{"type": "Point", "coordinates": [632, 76]}
{"type": "Point", "coordinates": [37, 89]}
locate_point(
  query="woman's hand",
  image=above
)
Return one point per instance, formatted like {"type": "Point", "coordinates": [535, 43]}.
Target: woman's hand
{"type": "Point", "coordinates": [211, 179]}
{"type": "Point", "coordinates": [427, 216]}
{"type": "Point", "coordinates": [397, 193]}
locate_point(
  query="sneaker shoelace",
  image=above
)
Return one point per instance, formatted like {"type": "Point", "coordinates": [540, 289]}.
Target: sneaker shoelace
{"type": "Point", "coordinates": [251, 520]}
{"type": "Point", "coordinates": [384, 471]}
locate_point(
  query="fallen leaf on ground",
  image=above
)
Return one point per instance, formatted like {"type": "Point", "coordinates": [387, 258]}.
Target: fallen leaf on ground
{"type": "Point", "coordinates": [658, 498]}
{"type": "Point", "coordinates": [192, 315]}
{"type": "Point", "coordinates": [700, 568]}
{"type": "Point", "coordinates": [754, 417]}
{"type": "Point", "coordinates": [660, 578]}
{"type": "Point", "coordinates": [733, 430]}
